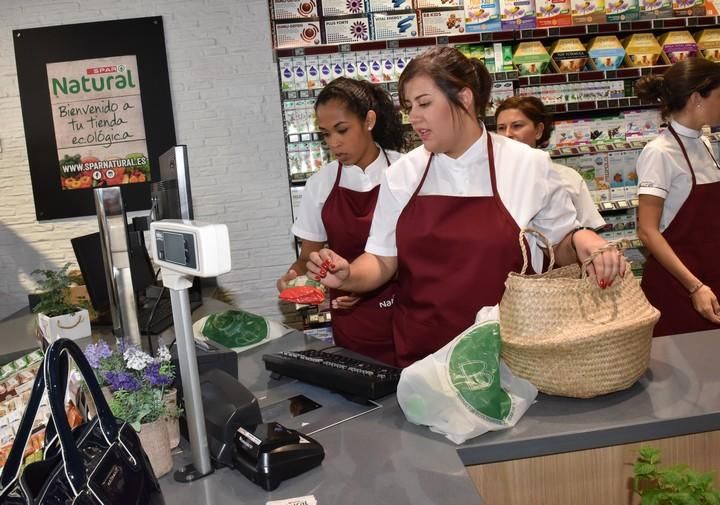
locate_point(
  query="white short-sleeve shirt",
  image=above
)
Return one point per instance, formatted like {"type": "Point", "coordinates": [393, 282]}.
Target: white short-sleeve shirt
{"type": "Point", "coordinates": [587, 212]}
{"type": "Point", "coordinates": [309, 224]}
{"type": "Point", "coordinates": [527, 184]}
{"type": "Point", "coordinates": [663, 172]}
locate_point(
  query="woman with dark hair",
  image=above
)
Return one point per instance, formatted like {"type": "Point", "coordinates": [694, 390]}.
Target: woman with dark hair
{"type": "Point", "coordinates": [364, 132]}
{"type": "Point", "coordinates": [525, 119]}
{"type": "Point", "coordinates": [450, 212]}
{"type": "Point", "coordinates": [679, 193]}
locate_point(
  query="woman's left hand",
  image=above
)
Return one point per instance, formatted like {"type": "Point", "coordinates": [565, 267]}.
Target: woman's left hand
{"type": "Point", "coordinates": [606, 265]}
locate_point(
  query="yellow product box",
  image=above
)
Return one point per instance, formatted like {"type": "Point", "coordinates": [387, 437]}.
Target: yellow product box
{"type": "Point", "coordinates": [568, 55]}
{"type": "Point", "coordinates": [551, 13]}
{"type": "Point", "coordinates": [677, 46]}
{"type": "Point", "coordinates": [530, 58]}
{"type": "Point", "coordinates": [683, 8]}
{"type": "Point", "coordinates": [641, 50]}
{"type": "Point", "coordinates": [655, 9]}
{"type": "Point", "coordinates": [708, 42]}
{"type": "Point", "coordinates": [606, 52]}
{"type": "Point", "coordinates": [586, 12]}
{"type": "Point", "coordinates": [622, 10]}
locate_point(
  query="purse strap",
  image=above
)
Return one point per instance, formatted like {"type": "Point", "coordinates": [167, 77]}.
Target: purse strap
{"type": "Point", "coordinates": [11, 471]}
{"type": "Point", "coordinates": [524, 233]}
{"type": "Point", "coordinates": [53, 367]}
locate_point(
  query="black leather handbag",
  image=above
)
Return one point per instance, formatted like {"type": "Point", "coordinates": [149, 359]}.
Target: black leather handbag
{"type": "Point", "coordinates": [100, 462]}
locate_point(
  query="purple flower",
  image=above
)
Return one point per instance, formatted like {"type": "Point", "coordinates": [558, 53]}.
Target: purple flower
{"type": "Point", "coordinates": [154, 377]}
{"type": "Point", "coordinates": [97, 352]}
{"type": "Point", "coordinates": [122, 380]}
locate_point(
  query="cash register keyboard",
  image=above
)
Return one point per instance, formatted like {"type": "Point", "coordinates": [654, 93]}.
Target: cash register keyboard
{"type": "Point", "coordinates": [351, 376]}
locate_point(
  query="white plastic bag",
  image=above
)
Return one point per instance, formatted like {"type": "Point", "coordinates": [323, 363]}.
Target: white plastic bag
{"type": "Point", "coordinates": [464, 390]}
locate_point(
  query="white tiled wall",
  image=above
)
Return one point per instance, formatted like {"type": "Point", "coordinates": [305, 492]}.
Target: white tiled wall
{"type": "Point", "coordinates": [227, 110]}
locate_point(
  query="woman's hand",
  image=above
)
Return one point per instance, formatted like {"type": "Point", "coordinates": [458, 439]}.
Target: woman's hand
{"type": "Point", "coordinates": [706, 303]}
{"type": "Point", "coordinates": [345, 302]}
{"type": "Point", "coordinates": [606, 265]}
{"type": "Point", "coordinates": [282, 283]}
{"type": "Point", "coordinates": [328, 268]}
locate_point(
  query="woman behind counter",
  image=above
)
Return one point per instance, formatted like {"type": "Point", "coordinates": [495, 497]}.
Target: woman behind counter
{"type": "Point", "coordinates": [679, 194]}
{"type": "Point", "coordinates": [364, 132]}
{"type": "Point", "coordinates": [525, 119]}
{"type": "Point", "coordinates": [449, 212]}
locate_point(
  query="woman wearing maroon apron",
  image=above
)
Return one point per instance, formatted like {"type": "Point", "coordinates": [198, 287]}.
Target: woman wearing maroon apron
{"type": "Point", "coordinates": [679, 194]}
{"type": "Point", "coordinates": [449, 212]}
{"type": "Point", "coordinates": [363, 131]}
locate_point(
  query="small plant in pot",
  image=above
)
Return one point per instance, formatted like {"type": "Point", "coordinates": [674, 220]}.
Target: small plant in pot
{"type": "Point", "coordinates": [58, 315]}
{"type": "Point", "coordinates": [138, 383]}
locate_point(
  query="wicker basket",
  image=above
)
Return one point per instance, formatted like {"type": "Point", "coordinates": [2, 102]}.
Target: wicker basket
{"type": "Point", "coordinates": [568, 337]}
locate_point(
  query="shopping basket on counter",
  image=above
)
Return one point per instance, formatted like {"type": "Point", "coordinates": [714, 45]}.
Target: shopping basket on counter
{"type": "Point", "coordinates": [570, 338]}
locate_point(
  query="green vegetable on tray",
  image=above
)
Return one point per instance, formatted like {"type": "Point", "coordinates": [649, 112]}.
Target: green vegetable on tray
{"type": "Point", "coordinates": [235, 328]}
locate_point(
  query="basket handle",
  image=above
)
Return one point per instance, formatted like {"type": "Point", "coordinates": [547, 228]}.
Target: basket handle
{"type": "Point", "coordinates": [523, 248]}
{"type": "Point", "coordinates": [597, 252]}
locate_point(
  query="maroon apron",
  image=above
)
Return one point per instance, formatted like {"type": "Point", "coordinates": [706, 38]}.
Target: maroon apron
{"type": "Point", "coordinates": [454, 254]}
{"type": "Point", "coordinates": [694, 236]}
{"type": "Point", "coordinates": [367, 326]}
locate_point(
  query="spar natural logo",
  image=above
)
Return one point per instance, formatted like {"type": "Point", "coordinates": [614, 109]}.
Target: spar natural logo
{"type": "Point", "coordinates": [97, 79]}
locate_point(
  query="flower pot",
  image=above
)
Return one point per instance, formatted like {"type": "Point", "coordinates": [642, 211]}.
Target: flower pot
{"type": "Point", "coordinates": [73, 326]}
{"type": "Point", "coordinates": [155, 441]}
{"type": "Point", "coordinates": [172, 423]}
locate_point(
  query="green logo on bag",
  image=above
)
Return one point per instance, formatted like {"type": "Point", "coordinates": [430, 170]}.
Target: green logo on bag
{"type": "Point", "coordinates": [474, 369]}
{"type": "Point", "coordinates": [235, 328]}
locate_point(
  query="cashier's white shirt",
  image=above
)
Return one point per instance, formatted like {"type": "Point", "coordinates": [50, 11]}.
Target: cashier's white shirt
{"type": "Point", "coordinates": [662, 169]}
{"type": "Point", "coordinates": [587, 213]}
{"type": "Point", "coordinates": [309, 225]}
{"type": "Point", "coordinates": [529, 187]}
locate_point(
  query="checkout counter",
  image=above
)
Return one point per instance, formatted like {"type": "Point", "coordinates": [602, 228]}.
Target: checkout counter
{"type": "Point", "coordinates": [563, 451]}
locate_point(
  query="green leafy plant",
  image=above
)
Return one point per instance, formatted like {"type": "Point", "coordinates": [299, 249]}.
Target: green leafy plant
{"type": "Point", "coordinates": [55, 292]}
{"type": "Point", "coordinates": [677, 485]}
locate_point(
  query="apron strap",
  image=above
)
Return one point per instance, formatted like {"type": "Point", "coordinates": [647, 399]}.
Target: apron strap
{"type": "Point", "coordinates": [682, 148]}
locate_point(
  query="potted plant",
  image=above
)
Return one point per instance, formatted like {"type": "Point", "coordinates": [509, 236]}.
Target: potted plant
{"type": "Point", "coordinates": [139, 384]}
{"type": "Point", "coordinates": [58, 315]}
{"type": "Point", "coordinates": [676, 485]}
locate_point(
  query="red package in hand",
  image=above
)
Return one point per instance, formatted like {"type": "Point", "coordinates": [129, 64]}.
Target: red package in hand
{"type": "Point", "coordinates": [309, 295]}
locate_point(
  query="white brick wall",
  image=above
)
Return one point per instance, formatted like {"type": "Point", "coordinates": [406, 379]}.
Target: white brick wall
{"type": "Point", "coordinates": [227, 110]}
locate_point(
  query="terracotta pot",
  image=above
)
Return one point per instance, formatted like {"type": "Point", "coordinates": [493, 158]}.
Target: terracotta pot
{"type": "Point", "coordinates": [155, 441]}
{"type": "Point", "coordinates": [172, 423]}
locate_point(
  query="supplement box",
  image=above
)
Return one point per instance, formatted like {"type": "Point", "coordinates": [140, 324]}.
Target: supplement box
{"type": "Point", "coordinates": [606, 52]}
{"type": "Point", "coordinates": [641, 50]}
{"type": "Point", "coordinates": [551, 13]}
{"type": "Point", "coordinates": [531, 58]}
{"type": "Point", "coordinates": [677, 46]}
{"type": "Point", "coordinates": [568, 55]}
{"type": "Point", "coordinates": [340, 31]}
{"type": "Point", "coordinates": [482, 16]}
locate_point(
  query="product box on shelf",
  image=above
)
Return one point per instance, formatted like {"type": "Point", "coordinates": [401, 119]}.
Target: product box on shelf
{"type": "Point", "coordinates": [606, 52]}
{"type": "Point", "coordinates": [641, 50]}
{"type": "Point", "coordinates": [623, 176]}
{"type": "Point", "coordinates": [325, 67]}
{"type": "Point", "coordinates": [684, 8]}
{"type": "Point", "coordinates": [294, 9]}
{"type": "Point", "coordinates": [350, 65]}
{"type": "Point", "coordinates": [433, 4]}
{"type": "Point", "coordinates": [400, 61]}
{"type": "Point", "coordinates": [287, 75]}
{"type": "Point", "coordinates": [593, 168]}
{"type": "Point", "coordinates": [573, 133]}
{"type": "Point", "coordinates": [642, 125]}
{"type": "Point", "coordinates": [530, 58]}
{"type": "Point", "coordinates": [297, 34]}
{"type": "Point", "coordinates": [388, 5]}
{"type": "Point", "coordinates": [712, 7]}
{"type": "Point", "coordinates": [337, 66]}
{"type": "Point", "coordinates": [517, 14]}
{"type": "Point", "coordinates": [568, 55]}
{"type": "Point", "coordinates": [552, 13]}
{"type": "Point", "coordinates": [586, 12]}
{"type": "Point", "coordinates": [677, 46]}
{"type": "Point", "coordinates": [394, 26]}
{"type": "Point", "coordinates": [622, 10]}
{"type": "Point", "coordinates": [363, 65]}
{"type": "Point", "coordinates": [708, 42]}
{"type": "Point", "coordinates": [332, 8]}
{"type": "Point", "coordinates": [442, 22]}
{"type": "Point", "coordinates": [655, 9]}
{"type": "Point", "coordinates": [347, 30]}
{"type": "Point", "coordinates": [482, 16]}
{"type": "Point", "coordinates": [299, 72]}
{"type": "Point", "coordinates": [501, 90]}
{"type": "Point", "coordinates": [608, 130]}
{"type": "Point", "coordinates": [376, 66]}
{"type": "Point", "coordinates": [312, 72]}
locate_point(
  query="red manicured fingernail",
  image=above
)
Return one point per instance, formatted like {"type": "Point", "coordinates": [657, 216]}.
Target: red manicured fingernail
{"type": "Point", "coordinates": [602, 284]}
{"type": "Point", "coordinates": [332, 266]}
{"type": "Point", "coordinates": [317, 277]}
